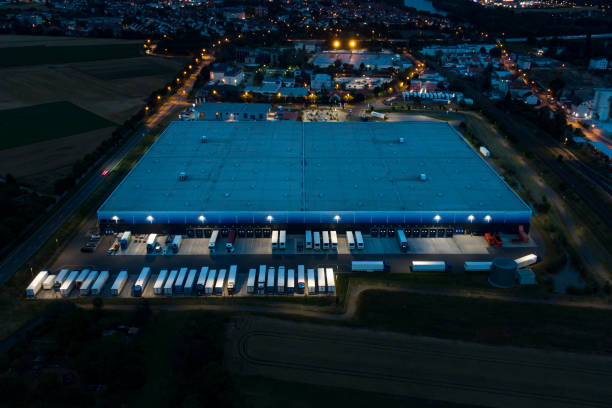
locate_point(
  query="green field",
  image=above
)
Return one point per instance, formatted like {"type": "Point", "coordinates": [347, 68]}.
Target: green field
{"type": "Point", "coordinates": [40, 54]}
{"type": "Point", "coordinates": [488, 321]}
{"type": "Point", "coordinates": [37, 123]}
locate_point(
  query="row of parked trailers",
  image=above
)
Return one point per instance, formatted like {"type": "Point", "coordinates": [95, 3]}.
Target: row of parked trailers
{"type": "Point", "coordinates": [85, 281]}
{"type": "Point", "coordinates": [205, 281]}
{"type": "Point", "coordinates": [329, 240]}
{"type": "Point", "coordinates": [269, 280]}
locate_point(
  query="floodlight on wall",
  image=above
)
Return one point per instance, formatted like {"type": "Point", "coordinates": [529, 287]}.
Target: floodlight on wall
{"type": "Point", "coordinates": [150, 219]}
{"type": "Point", "coordinates": [487, 218]}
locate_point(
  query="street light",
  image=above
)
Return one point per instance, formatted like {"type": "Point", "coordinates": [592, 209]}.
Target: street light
{"type": "Point", "coordinates": [437, 218]}
{"type": "Point", "coordinates": [336, 44]}
{"type": "Point", "coordinates": [471, 218]}
{"type": "Point", "coordinates": [337, 218]}
{"type": "Point", "coordinates": [116, 219]}
{"type": "Point", "coordinates": [150, 219]}
{"type": "Point", "coordinates": [202, 219]}
{"type": "Point", "coordinates": [352, 43]}
{"type": "Point", "coordinates": [269, 218]}
{"type": "Point", "coordinates": [487, 218]}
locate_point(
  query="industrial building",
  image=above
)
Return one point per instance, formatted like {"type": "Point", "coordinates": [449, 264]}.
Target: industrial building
{"type": "Point", "coordinates": [297, 176]}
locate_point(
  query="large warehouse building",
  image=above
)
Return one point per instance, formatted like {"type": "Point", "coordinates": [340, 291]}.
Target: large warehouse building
{"type": "Point", "coordinates": [298, 176]}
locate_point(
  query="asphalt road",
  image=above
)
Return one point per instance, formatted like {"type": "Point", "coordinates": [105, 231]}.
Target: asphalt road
{"type": "Point", "coordinates": [20, 255]}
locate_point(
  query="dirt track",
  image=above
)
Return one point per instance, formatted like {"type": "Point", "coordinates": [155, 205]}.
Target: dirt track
{"type": "Point", "coordinates": [416, 366]}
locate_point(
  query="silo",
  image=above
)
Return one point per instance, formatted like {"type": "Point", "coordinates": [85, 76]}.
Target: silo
{"type": "Point", "coordinates": [503, 273]}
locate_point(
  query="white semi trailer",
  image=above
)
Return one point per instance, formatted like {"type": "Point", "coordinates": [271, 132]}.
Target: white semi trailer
{"type": "Point", "coordinates": [88, 283]}
{"type": "Point", "coordinates": [370, 266]}
{"type": "Point", "coordinates": [201, 282]}
{"type": "Point", "coordinates": [141, 281]}
{"type": "Point", "coordinates": [527, 260]}
{"type": "Point", "coordinates": [119, 283]}
{"type": "Point", "coordinates": [36, 285]}
{"type": "Point", "coordinates": [158, 286]}
{"type": "Point", "coordinates": [429, 266]}
{"type": "Point", "coordinates": [189, 282]}
{"type": "Point", "coordinates": [477, 266]}
{"type": "Point", "coordinates": [170, 282]}
{"type": "Point", "coordinates": [98, 285]}
{"type": "Point", "coordinates": [251, 281]}
{"type": "Point", "coordinates": [68, 284]}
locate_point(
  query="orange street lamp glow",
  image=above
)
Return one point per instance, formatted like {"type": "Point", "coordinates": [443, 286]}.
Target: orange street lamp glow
{"type": "Point", "coordinates": [336, 44]}
{"type": "Point", "coordinates": [158, 97]}
{"type": "Point", "coordinates": [352, 43]}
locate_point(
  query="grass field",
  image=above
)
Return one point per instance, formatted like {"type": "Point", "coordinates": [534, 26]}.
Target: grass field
{"type": "Point", "coordinates": [38, 123]}
{"type": "Point", "coordinates": [40, 54]}
{"type": "Point", "coordinates": [488, 321]}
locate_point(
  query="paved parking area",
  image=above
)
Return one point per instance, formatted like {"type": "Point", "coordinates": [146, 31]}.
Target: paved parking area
{"type": "Point", "coordinates": [458, 244]}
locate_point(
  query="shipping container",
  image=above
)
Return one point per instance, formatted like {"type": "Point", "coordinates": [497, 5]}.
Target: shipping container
{"type": "Point", "coordinates": [119, 283]}
{"type": "Point", "coordinates": [251, 281]}
{"type": "Point", "coordinates": [201, 282]}
{"type": "Point", "coordinates": [280, 280]}
{"type": "Point", "coordinates": [189, 282]}
{"type": "Point", "coordinates": [68, 284]}
{"type": "Point", "coordinates": [81, 278]}
{"type": "Point", "coordinates": [176, 243]}
{"type": "Point", "coordinates": [212, 243]}
{"type": "Point", "coordinates": [48, 282]}
{"type": "Point", "coordinates": [158, 286]}
{"type": "Point", "coordinates": [331, 282]}
{"type": "Point", "coordinates": [301, 281]}
{"type": "Point", "coordinates": [311, 282]}
{"type": "Point", "coordinates": [290, 281]}
{"type": "Point", "coordinates": [475, 266]}
{"type": "Point", "coordinates": [429, 266]}
{"type": "Point", "coordinates": [210, 282]}
{"type": "Point", "coordinates": [325, 239]}
{"type": "Point", "coordinates": [231, 239]}
{"type": "Point", "coordinates": [401, 239]}
{"type": "Point", "coordinates": [282, 239]}
{"type": "Point", "coordinates": [321, 280]}
{"type": "Point", "coordinates": [369, 266]}
{"type": "Point", "coordinates": [60, 278]}
{"type": "Point", "coordinates": [350, 240]}
{"type": "Point", "coordinates": [231, 279]}
{"type": "Point", "coordinates": [270, 281]}
{"type": "Point", "coordinates": [98, 286]}
{"type": "Point", "coordinates": [527, 260]}
{"type": "Point", "coordinates": [169, 285]}
{"type": "Point", "coordinates": [151, 242]}
{"type": "Point", "coordinates": [220, 282]}
{"type": "Point", "coordinates": [261, 279]}
{"type": "Point", "coordinates": [36, 285]}
{"type": "Point", "coordinates": [125, 239]}
{"type": "Point", "coordinates": [316, 240]}
{"type": "Point", "coordinates": [274, 239]}
{"type": "Point", "coordinates": [180, 280]}
{"type": "Point", "coordinates": [88, 283]}
{"type": "Point", "coordinates": [359, 240]}
{"type": "Point", "coordinates": [141, 281]}
{"type": "Point", "coordinates": [333, 239]}
{"type": "Point", "coordinates": [308, 239]}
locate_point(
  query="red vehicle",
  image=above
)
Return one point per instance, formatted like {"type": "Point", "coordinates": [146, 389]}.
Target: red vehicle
{"type": "Point", "coordinates": [231, 239]}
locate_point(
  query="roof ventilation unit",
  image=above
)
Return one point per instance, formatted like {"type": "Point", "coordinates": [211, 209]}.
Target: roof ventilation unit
{"type": "Point", "coordinates": [204, 139]}
{"type": "Point", "coordinates": [182, 176]}
{"type": "Point", "coordinates": [401, 140]}
{"type": "Point", "coordinates": [423, 177]}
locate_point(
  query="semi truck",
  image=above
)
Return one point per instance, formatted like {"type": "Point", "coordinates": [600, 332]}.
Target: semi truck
{"type": "Point", "coordinates": [333, 239]}
{"type": "Point", "coordinates": [220, 282]}
{"type": "Point", "coordinates": [170, 282]}
{"type": "Point", "coordinates": [158, 286]}
{"type": "Point", "coordinates": [325, 239]}
{"type": "Point", "coordinates": [212, 243]}
{"type": "Point", "coordinates": [430, 266]}
{"type": "Point", "coordinates": [98, 286]}
{"type": "Point", "coordinates": [36, 285]}
{"type": "Point", "coordinates": [251, 281]}
{"type": "Point", "coordinates": [141, 281]}
{"type": "Point", "coordinates": [119, 283]}
{"type": "Point", "coordinates": [88, 283]}
{"type": "Point", "coordinates": [274, 239]}
{"type": "Point", "coordinates": [290, 281]}
{"type": "Point", "coordinates": [301, 286]}
{"type": "Point", "coordinates": [350, 240]}
{"type": "Point", "coordinates": [282, 239]}
{"type": "Point", "coordinates": [316, 240]}
{"type": "Point", "coordinates": [151, 243]}
{"type": "Point", "coordinates": [331, 284]}
{"type": "Point", "coordinates": [125, 239]}
{"type": "Point", "coordinates": [359, 240]}
{"type": "Point", "coordinates": [210, 282]}
{"type": "Point", "coordinates": [231, 279]}
{"type": "Point", "coordinates": [81, 278]}
{"type": "Point", "coordinates": [231, 239]}
{"type": "Point", "coordinates": [308, 239]}
{"type": "Point", "coordinates": [176, 243]}
{"type": "Point", "coordinates": [60, 278]}
{"type": "Point", "coordinates": [370, 266]}
{"type": "Point", "coordinates": [321, 280]}
{"type": "Point", "coordinates": [401, 239]}
{"type": "Point", "coordinates": [190, 281]}
{"type": "Point", "coordinates": [201, 282]}
{"type": "Point", "coordinates": [68, 284]}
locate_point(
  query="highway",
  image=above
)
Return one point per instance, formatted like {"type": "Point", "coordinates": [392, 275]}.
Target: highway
{"type": "Point", "coordinates": [20, 255]}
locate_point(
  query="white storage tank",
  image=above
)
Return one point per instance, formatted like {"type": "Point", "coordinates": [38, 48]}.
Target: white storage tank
{"type": "Point", "coordinates": [503, 273]}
